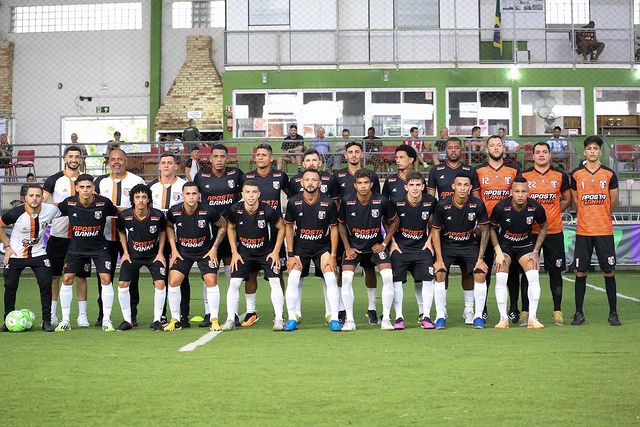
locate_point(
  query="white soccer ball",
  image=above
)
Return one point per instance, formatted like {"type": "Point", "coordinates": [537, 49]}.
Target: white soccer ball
{"type": "Point", "coordinates": [15, 321]}
{"type": "Point", "coordinates": [30, 317]}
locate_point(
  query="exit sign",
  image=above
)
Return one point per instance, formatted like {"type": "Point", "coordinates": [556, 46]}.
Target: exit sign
{"type": "Point", "coordinates": [102, 110]}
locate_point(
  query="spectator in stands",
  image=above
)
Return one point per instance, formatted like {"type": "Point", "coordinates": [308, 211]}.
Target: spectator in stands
{"type": "Point", "coordinates": [83, 151]}
{"type": "Point", "coordinates": [559, 145]}
{"type": "Point", "coordinates": [322, 146]}
{"type": "Point", "coordinates": [510, 145]}
{"type": "Point", "coordinates": [31, 178]}
{"type": "Point", "coordinates": [292, 148]}
{"type": "Point", "coordinates": [372, 143]}
{"type": "Point", "coordinates": [191, 133]}
{"type": "Point", "coordinates": [6, 152]}
{"type": "Point", "coordinates": [174, 145]}
{"type": "Point", "coordinates": [340, 149]}
{"type": "Point", "coordinates": [192, 166]}
{"type": "Point", "coordinates": [418, 144]}
{"type": "Point", "coordinates": [439, 147]}
{"type": "Point", "coordinates": [588, 43]}
{"type": "Point", "coordinates": [475, 144]}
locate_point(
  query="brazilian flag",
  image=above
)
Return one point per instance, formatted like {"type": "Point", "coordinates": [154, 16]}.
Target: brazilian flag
{"type": "Point", "coordinates": [497, 33]}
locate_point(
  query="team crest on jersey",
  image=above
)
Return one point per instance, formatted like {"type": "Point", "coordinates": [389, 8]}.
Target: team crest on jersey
{"type": "Point", "coordinates": [425, 215]}
{"type": "Point", "coordinates": [231, 183]}
{"type": "Point", "coordinates": [322, 214]}
{"type": "Point", "coordinates": [507, 180]}
{"type": "Point", "coordinates": [382, 255]}
{"type": "Point", "coordinates": [603, 183]}
{"type": "Point", "coordinates": [211, 264]}
{"type": "Point", "coordinates": [375, 213]}
{"type": "Point", "coordinates": [201, 223]}
{"type": "Point", "coordinates": [262, 223]}
{"type": "Point", "coordinates": [126, 191]}
{"type": "Point", "coordinates": [323, 188]}
{"type": "Point", "coordinates": [276, 185]}
{"type": "Point", "coordinates": [97, 214]}
{"type": "Point", "coordinates": [153, 229]}
{"type": "Point", "coordinates": [107, 265]}
{"type": "Point", "coordinates": [175, 196]}
{"type": "Point", "coordinates": [611, 260]}
{"type": "Point", "coordinates": [47, 263]}
{"type": "Point", "coordinates": [471, 216]}
{"type": "Point", "coordinates": [554, 183]}
{"type": "Point", "coordinates": [529, 220]}
{"type": "Point", "coordinates": [559, 263]}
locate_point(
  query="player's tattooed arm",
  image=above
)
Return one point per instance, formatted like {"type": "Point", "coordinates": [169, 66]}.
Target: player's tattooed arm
{"type": "Point", "coordinates": [292, 259]}
{"type": "Point", "coordinates": [349, 252]}
{"type": "Point", "coordinates": [499, 256]}
{"type": "Point", "coordinates": [484, 240]}
{"type": "Point", "coordinates": [222, 231]}
{"type": "Point", "coordinates": [541, 236]}
{"type": "Point", "coordinates": [125, 249]}
{"type": "Point", "coordinates": [235, 256]}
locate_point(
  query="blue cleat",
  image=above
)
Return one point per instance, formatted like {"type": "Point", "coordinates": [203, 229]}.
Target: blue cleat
{"type": "Point", "coordinates": [335, 325]}
{"type": "Point", "coordinates": [478, 323]}
{"type": "Point", "coordinates": [441, 323]}
{"type": "Point", "coordinates": [290, 326]}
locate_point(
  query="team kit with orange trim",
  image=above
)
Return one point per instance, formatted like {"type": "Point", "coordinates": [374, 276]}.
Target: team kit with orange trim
{"type": "Point", "coordinates": [492, 216]}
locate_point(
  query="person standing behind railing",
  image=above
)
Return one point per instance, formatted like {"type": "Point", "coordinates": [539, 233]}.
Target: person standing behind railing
{"type": "Point", "coordinates": [418, 144]}
{"type": "Point", "coordinates": [6, 152]}
{"type": "Point", "coordinates": [340, 149]}
{"type": "Point", "coordinates": [322, 146]}
{"type": "Point", "coordinates": [292, 148]}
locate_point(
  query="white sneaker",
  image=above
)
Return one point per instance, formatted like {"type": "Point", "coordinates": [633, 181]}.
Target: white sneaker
{"type": "Point", "coordinates": [229, 325]}
{"type": "Point", "coordinates": [64, 326]}
{"type": "Point", "coordinates": [278, 325]}
{"type": "Point", "coordinates": [54, 320]}
{"type": "Point", "coordinates": [83, 321]}
{"type": "Point", "coordinates": [385, 325]}
{"type": "Point", "coordinates": [349, 326]}
{"type": "Point", "coordinates": [107, 326]}
{"type": "Point", "coordinates": [467, 315]}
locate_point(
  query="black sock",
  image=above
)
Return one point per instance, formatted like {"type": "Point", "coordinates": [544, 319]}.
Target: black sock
{"type": "Point", "coordinates": [524, 292]}
{"type": "Point", "coordinates": [555, 283]}
{"type": "Point", "coordinates": [581, 289]}
{"type": "Point", "coordinates": [513, 284]}
{"type": "Point", "coordinates": [610, 285]}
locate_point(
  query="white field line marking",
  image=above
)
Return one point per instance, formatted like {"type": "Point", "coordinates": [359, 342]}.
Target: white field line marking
{"type": "Point", "coordinates": [200, 341]}
{"type": "Point", "coordinates": [597, 288]}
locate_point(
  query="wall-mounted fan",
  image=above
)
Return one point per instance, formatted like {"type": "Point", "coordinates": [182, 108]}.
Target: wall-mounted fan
{"type": "Point", "coordinates": [543, 107]}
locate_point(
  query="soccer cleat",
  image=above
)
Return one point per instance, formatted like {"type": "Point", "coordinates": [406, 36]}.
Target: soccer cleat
{"type": "Point", "coordinates": [399, 325]}
{"type": "Point", "coordinates": [206, 322]}
{"type": "Point", "coordinates": [478, 323]}
{"type": "Point", "coordinates": [124, 326]}
{"type": "Point", "coordinates": [299, 317]}
{"type": "Point", "coordinates": [467, 315]}
{"type": "Point", "coordinates": [441, 323]}
{"type": "Point", "coordinates": [502, 324]}
{"type": "Point", "coordinates": [513, 316]}
{"type": "Point", "coordinates": [614, 320]}
{"type": "Point", "coordinates": [236, 321]}
{"type": "Point", "coordinates": [427, 323]}
{"type": "Point", "coordinates": [63, 326]}
{"type": "Point", "coordinates": [134, 322]}
{"type": "Point", "coordinates": [290, 326]}
{"type": "Point", "coordinates": [83, 321]}
{"type": "Point", "coordinates": [578, 319]}
{"type": "Point", "coordinates": [173, 325]}
{"type": "Point", "coordinates": [348, 326]}
{"type": "Point", "coordinates": [107, 326]}
{"type": "Point", "coordinates": [54, 320]}
{"type": "Point", "coordinates": [184, 321]}
{"type": "Point", "coordinates": [278, 325]}
{"type": "Point", "coordinates": [420, 317]}
{"type": "Point", "coordinates": [372, 317]}
{"type": "Point", "coordinates": [523, 318]}
{"type": "Point", "coordinates": [156, 326]}
{"type": "Point", "coordinates": [534, 324]}
{"type": "Point", "coordinates": [4, 328]}
{"type": "Point", "coordinates": [249, 320]}
{"type": "Point", "coordinates": [229, 325]}
{"type": "Point", "coordinates": [342, 315]}
{"type": "Point", "coordinates": [215, 325]}
{"type": "Point", "coordinates": [557, 317]}
{"type": "Point", "coordinates": [386, 325]}
{"type": "Point", "coordinates": [335, 325]}
{"type": "Point", "coordinates": [98, 322]}
{"type": "Point", "coordinates": [48, 327]}
{"type": "Point", "coordinates": [485, 313]}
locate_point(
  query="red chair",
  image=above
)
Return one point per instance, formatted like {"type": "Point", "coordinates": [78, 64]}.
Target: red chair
{"type": "Point", "coordinates": [232, 156]}
{"type": "Point", "coordinates": [25, 159]}
{"type": "Point", "coordinates": [527, 151]}
{"type": "Point", "coordinates": [204, 153]}
{"type": "Point", "coordinates": [626, 152]}
{"type": "Point", "coordinates": [384, 159]}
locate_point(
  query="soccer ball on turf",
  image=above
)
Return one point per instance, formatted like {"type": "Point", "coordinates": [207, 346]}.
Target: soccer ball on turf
{"type": "Point", "coordinates": [30, 316]}
{"type": "Point", "coordinates": [15, 321]}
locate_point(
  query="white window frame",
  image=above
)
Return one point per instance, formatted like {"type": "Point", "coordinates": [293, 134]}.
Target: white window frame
{"type": "Point", "coordinates": [595, 89]}
{"type": "Point", "coordinates": [396, 7]}
{"type": "Point", "coordinates": [477, 91]}
{"type": "Point", "coordinates": [582, 103]}
{"type": "Point", "coordinates": [217, 15]}
{"type": "Point", "coordinates": [565, 24]}
{"type": "Point", "coordinates": [270, 24]}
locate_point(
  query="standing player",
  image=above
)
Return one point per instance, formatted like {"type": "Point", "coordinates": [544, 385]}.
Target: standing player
{"type": "Point", "coordinates": [409, 248]}
{"type": "Point", "coordinates": [312, 235]}
{"type": "Point", "coordinates": [454, 225]}
{"type": "Point", "coordinates": [550, 187]}
{"type": "Point", "coordinates": [512, 237]}
{"type": "Point", "coordinates": [116, 187]}
{"type": "Point", "coordinates": [220, 189]}
{"type": "Point", "coordinates": [361, 217]}
{"type": "Point", "coordinates": [256, 234]}
{"type": "Point", "coordinates": [594, 188]}
{"type": "Point", "coordinates": [192, 242]}
{"type": "Point", "coordinates": [57, 188]}
{"type": "Point", "coordinates": [142, 233]}
{"type": "Point", "coordinates": [345, 180]}
{"type": "Point", "coordinates": [88, 213]}
{"type": "Point", "coordinates": [26, 249]}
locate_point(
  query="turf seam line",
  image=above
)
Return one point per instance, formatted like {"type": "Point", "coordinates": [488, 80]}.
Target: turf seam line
{"type": "Point", "coordinates": [597, 288]}
{"type": "Point", "coordinates": [200, 341]}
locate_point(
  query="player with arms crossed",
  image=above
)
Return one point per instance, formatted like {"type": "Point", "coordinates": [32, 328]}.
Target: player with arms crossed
{"type": "Point", "coordinates": [251, 229]}
{"type": "Point", "coordinates": [594, 188]}
{"type": "Point", "coordinates": [512, 237]}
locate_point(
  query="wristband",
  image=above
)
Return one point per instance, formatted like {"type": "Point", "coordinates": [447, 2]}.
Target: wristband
{"type": "Point", "coordinates": [290, 254]}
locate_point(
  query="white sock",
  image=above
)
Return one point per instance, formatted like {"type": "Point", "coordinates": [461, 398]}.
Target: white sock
{"type": "Point", "coordinates": [107, 301]}
{"type": "Point", "coordinates": [427, 297]}
{"type": "Point", "coordinates": [327, 304]}
{"type": "Point", "coordinates": [54, 308]}
{"type": "Point", "coordinates": [340, 302]}
{"type": "Point", "coordinates": [533, 276]}
{"type": "Point", "coordinates": [371, 298]}
{"type": "Point", "coordinates": [347, 293]}
{"type": "Point", "coordinates": [124, 298]}
{"type": "Point", "coordinates": [333, 294]}
{"type": "Point", "coordinates": [233, 297]}
{"type": "Point", "coordinates": [174, 301]}
{"type": "Point", "coordinates": [66, 295]}
{"type": "Point", "coordinates": [298, 307]}
{"type": "Point", "coordinates": [227, 273]}
{"type": "Point", "coordinates": [158, 303]}
{"type": "Point", "coordinates": [213, 301]}
{"type": "Point", "coordinates": [480, 296]}
{"type": "Point", "coordinates": [417, 287]}
{"type": "Point", "coordinates": [293, 293]}
{"type": "Point", "coordinates": [440, 298]}
{"type": "Point", "coordinates": [205, 299]}
{"type": "Point", "coordinates": [82, 308]}
{"type": "Point", "coordinates": [387, 292]}
{"type": "Point", "coordinates": [502, 294]}
{"type": "Point", "coordinates": [398, 295]}
{"type": "Point", "coordinates": [468, 300]}
{"type": "Point", "coordinates": [251, 302]}
{"type": "Point", "coordinates": [277, 298]}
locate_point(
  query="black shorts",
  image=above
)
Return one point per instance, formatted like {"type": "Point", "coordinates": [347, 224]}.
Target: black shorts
{"type": "Point", "coordinates": [131, 270]}
{"type": "Point", "coordinates": [253, 265]}
{"type": "Point", "coordinates": [368, 260]}
{"type": "Point", "coordinates": [224, 250]}
{"type": "Point", "coordinates": [553, 252]}
{"type": "Point", "coordinates": [515, 252]}
{"type": "Point", "coordinates": [80, 264]}
{"type": "Point", "coordinates": [419, 264]}
{"type": "Point", "coordinates": [57, 249]}
{"type": "Point", "coordinates": [306, 264]}
{"type": "Point", "coordinates": [466, 257]}
{"type": "Point", "coordinates": [605, 250]}
{"type": "Point", "coordinates": [205, 265]}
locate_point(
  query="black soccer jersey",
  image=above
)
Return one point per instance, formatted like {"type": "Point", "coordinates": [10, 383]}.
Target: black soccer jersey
{"type": "Point", "coordinates": [142, 233]}
{"type": "Point", "coordinates": [459, 223]}
{"type": "Point", "coordinates": [87, 223]}
{"type": "Point", "coordinates": [256, 232]}
{"type": "Point", "coordinates": [363, 221]}
{"type": "Point", "coordinates": [412, 232]}
{"type": "Point", "coordinates": [270, 186]}
{"type": "Point", "coordinates": [345, 182]}
{"type": "Point", "coordinates": [514, 227]}
{"type": "Point", "coordinates": [328, 185]}
{"type": "Point", "coordinates": [393, 188]}
{"type": "Point", "coordinates": [441, 178]}
{"type": "Point", "coordinates": [220, 191]}
{"type": "Point", "coordinates": [193, 231]}
{"type": "Point", "coordinates": [312, 231]}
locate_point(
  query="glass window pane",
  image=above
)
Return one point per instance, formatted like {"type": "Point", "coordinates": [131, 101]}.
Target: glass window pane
{"type": "Point", "coordinates": [318, 110]}
{"type": "Point", "coordinates": [351, 112]}
{"type": "Point", "coordinates": [268, 12]}
{"type": "Point", "coordinates": [560, 11]}
{"type": "Point", "coordinates": [618, 111]}
{"type": "Point", "coordinates": [411, 14]}
{"type": "Point", "coordinates": [281, 110]}
{"type": "Point", "coordinates": [541, 110]}
{"type": "Point", "coordinates": [418, 110]}
{"type": "Point", "coordinates": [249, 115]}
